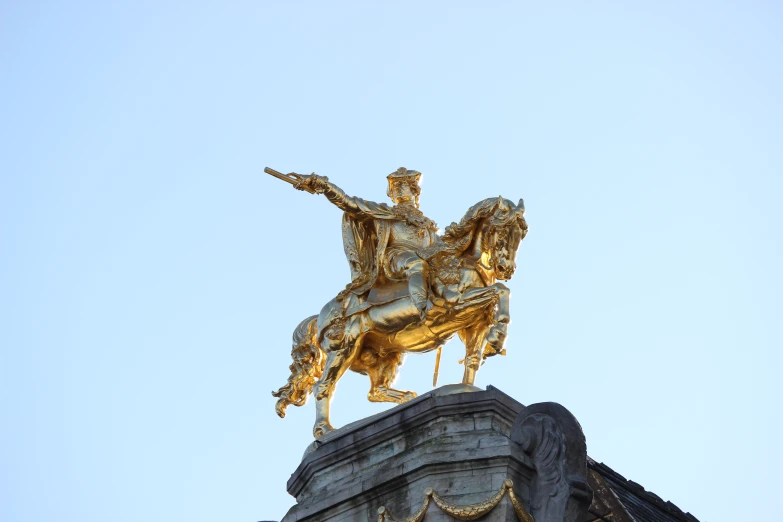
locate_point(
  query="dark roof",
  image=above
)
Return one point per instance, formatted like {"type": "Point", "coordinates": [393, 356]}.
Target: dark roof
{"type": "Point", "coordinates": [642, 505]}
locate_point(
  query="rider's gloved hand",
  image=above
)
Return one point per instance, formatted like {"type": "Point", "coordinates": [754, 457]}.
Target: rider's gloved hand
{"type": "Point", "coordinates": [316, 183]}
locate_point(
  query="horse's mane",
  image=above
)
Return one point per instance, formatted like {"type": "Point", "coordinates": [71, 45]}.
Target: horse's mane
{"type": "Point", "coordinates": [461, 234]}
{"type": "Point", "coordinates": [458, 236]}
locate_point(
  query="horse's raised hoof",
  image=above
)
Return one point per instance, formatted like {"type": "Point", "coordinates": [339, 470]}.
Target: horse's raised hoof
{"type": "Point", "coordinates": [408, 396]}
{"type": "Point", "coordinates": [491, 351]}
{"type": "Point", "coordinates": [321, 429]}
{"type": "Point", "coordinates": [495, 341]}
{"type": "Point", "coordinates": [381, 394]}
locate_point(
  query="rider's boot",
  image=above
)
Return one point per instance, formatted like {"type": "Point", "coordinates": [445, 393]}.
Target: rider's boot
{"type": "Point", "coordinates": [417, 287]}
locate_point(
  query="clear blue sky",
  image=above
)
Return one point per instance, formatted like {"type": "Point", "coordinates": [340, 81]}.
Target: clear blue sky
{"type": "Point", "coordinates": [151, 274]}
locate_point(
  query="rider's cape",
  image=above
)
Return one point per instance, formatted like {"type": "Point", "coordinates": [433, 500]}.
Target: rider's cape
{"type": "Point", "coordinates": [364, 242]}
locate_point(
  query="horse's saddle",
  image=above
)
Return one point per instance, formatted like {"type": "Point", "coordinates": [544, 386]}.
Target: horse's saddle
{"type": "Point", "coordinates": [382, 293]}
{"type": "Point", "coordinates": [387, 292]}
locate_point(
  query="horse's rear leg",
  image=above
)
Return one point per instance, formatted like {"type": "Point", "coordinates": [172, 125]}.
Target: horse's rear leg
{"type": "Point", "coordinates": [382, 371]}
{"type": "Point", "coordinates": [339, 357]}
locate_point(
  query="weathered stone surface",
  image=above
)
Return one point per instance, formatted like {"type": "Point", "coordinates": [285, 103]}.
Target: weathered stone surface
{"type": "Point", "coordinates": [459, 444]}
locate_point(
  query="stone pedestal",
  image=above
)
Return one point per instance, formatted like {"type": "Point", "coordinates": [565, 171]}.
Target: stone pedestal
{"type": "Point", "coordinates": [455, 446]}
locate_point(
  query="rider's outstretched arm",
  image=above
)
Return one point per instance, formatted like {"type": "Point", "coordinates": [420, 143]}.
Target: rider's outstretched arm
{"type": "Point", "coordinates": [322, 185]}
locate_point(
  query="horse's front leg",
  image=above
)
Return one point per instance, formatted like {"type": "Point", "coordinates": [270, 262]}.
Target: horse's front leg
{"type": "Point", "coordinates": [488, 334]}
{"type": "Point", "coordinates": [473, 338]}
{"type": "Point", "coordinates": [340, 356]}
{"type": "Point", "coordinates": [496, 338]}
{"type": "Point", "coordinates": [476, 306]}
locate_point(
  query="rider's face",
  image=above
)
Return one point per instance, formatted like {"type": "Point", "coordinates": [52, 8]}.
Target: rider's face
{"type": "Point", "coordinates": [403, 193]}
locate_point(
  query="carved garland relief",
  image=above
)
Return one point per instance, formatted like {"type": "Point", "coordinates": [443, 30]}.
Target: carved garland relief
{"type": "Point", "coordinates": [467, 512]}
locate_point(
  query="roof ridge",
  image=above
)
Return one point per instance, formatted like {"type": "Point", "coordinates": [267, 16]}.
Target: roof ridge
{"type": "Point", "coordinates": [638, 489]}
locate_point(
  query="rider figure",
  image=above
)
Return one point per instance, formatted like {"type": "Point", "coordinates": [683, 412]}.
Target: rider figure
{"type": "Point", "coordinates": [380, 239]}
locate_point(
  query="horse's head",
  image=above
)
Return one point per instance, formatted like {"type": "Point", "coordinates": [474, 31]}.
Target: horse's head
{"type": "Point", "coordinates": [503, 230]}
{"type": "Point", "coordinates": [491, 231]}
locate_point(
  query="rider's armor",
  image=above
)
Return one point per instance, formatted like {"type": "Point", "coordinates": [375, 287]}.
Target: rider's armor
{"type": "Point", "coordinates": [404, 262]}
{"type": "Point", "coordinates": [384, 240]}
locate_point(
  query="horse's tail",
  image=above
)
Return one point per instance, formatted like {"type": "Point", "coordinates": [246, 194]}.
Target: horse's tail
{"type": "Point", "coordinates": [306, 369]}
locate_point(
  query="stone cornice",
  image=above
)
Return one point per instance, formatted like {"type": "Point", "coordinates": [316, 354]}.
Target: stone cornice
{"type": "Point", "coordinates": [350, 441]}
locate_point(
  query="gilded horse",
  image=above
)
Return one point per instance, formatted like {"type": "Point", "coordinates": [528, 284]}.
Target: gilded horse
{"type": "Point", "coordinates": [466, 299]}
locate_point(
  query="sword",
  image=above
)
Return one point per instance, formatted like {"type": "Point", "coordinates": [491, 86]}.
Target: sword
{"type": "Point", "coordinates": [292, 177]}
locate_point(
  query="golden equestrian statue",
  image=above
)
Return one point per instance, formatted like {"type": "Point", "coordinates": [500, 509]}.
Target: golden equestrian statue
{"type": "Point", "coordinates": [411, 290]}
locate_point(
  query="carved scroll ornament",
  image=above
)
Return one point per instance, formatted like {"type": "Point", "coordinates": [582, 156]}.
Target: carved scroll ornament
{"type": "Point", "coordinates": [553, 439]}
